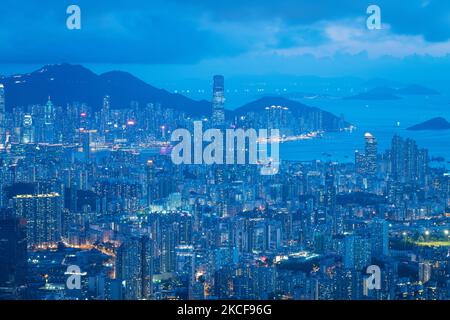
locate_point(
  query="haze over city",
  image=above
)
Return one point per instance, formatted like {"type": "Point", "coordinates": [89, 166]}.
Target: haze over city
{"type": "Point", "coordinates": [234, 150]}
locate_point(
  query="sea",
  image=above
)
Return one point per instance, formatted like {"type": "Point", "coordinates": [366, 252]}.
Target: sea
{"type": "Point", "coordinates": [383, 119]}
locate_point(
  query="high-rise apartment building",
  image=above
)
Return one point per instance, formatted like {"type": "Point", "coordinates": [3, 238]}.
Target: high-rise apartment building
{"type": "Point", "coordinates": [408, 163]}
{"type": "Point", "coordinates": [2, 111]}
{"type": "Point", "coordinates": [42, 213]}
{"type": "Point", "coordinates": [379, 237]}
{"type": "Point", "coordinates": [134, 267]}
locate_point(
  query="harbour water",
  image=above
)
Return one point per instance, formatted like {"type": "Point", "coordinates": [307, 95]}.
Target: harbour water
{"type": "Point", "coordinates": [383, 119]}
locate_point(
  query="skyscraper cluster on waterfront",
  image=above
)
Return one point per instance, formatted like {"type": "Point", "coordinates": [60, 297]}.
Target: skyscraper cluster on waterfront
{"type": "Point", "coordinates": [95, 187]}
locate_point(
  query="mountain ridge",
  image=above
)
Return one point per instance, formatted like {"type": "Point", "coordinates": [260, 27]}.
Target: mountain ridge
{"type": "Point", "coordinates": [330, 121]}
{"type": "Point", "coordinates": [66, 83]}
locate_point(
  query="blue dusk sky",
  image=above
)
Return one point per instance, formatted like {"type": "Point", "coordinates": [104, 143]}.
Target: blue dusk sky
{"type": "Point", "coordinates": [164, 40]}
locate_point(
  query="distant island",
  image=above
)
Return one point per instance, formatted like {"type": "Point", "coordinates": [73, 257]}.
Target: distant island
{"type": "Point", "coordinates": [378, 93]}
{"type": "Point", "coordinates": [433, 124]}
{"type": "Point", "coordinates": [415, 89]}
{"type": "Point", "coordinates": [388, 93]}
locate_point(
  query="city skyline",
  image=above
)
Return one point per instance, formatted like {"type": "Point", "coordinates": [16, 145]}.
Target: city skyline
{"type": "Point", "coordinates": [241, 152]}
{"type": "Point", "coordinates": [93, 186]}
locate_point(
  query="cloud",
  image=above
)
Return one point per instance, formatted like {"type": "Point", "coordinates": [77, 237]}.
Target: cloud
{"type": "Point", "coordinates": [112, 32]}
{"type": "Point", "coordinates": [190, 31]}
{"type": "Point", "coordinates": [349, 37]}
{"type": "Point", "coordinates": [427, 18]}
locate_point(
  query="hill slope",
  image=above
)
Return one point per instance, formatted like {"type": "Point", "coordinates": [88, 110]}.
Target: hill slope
{"type": "Point", "coordinates": [330, 122]}
{"type": "Point", "coordinates": [67, 83]}
{"type": "Point", "coordinates": [432, 124]}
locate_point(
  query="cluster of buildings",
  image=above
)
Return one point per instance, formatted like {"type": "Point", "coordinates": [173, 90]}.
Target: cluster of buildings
{"type": "Point", "coordinates": [83, 188]}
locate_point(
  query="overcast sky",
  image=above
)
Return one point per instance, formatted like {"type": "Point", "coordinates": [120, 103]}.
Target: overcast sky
{"type": "Point", "coordinates": [195, 38]}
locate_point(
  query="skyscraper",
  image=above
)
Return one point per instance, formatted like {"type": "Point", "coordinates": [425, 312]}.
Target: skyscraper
{"type": "Point", "coordinates": [360, 162]}
{"type": "Point", "coordinates": [408, 162]}
{"type": "Point", "coordinates": [150, 173]}
{"type": "Point", "coordinates": [85, 144]}
{"type": "Point", "coordinates": [49, 112]}
{"type": "Point", "coordinates": [330, 201]}
{"type": "Point", "coordinates": [379, 237]}
{"type": "Point", "coordinates": [105, 113]}
{"type": "Point", "coordinates": [185, 264]}
{"type": "Point", "coordinates": [366, 163]}
{"type": "Point", "coordinates": [356, 251]}
{"type": "Point", "coordinates": [27, 124]}
{"type": "Point", "coordinates": [218, 112]}
{"type": "Point", "coordinates": [424, 272]}
{"type": "Point", "coordinates": [362, 254]}
{"type": "Point", "coordinates": [371, 154]}
{"type": "Point", "coordinates": [43, 215]}
{"type": "Point", "coordinates": [49, 122]}
{"type": "Point", "coordinates": [134, 267]}
{"type": "Point", "coordinates": [2, 109]}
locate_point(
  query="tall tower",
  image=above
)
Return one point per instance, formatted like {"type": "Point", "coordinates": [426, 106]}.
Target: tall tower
{"type": "Point", "coordinates": [218, 112]}
{"type": "Point", "coordinates": [2, 109]}
{"type": "Point", "coordinates": [150, 181]}
{"type": "Point", "coordinates": [49, 121]}
{"type": "Point", "coordinates": [330, 201]}
{"type": "Point", "coordinates": [106, 104]}
{"type": "Point", "coordinates": [371, 154]}
{"type": "Point", "coordinates": [105, 113]}
{"type": "Point", "coordinates": [49, 112]}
